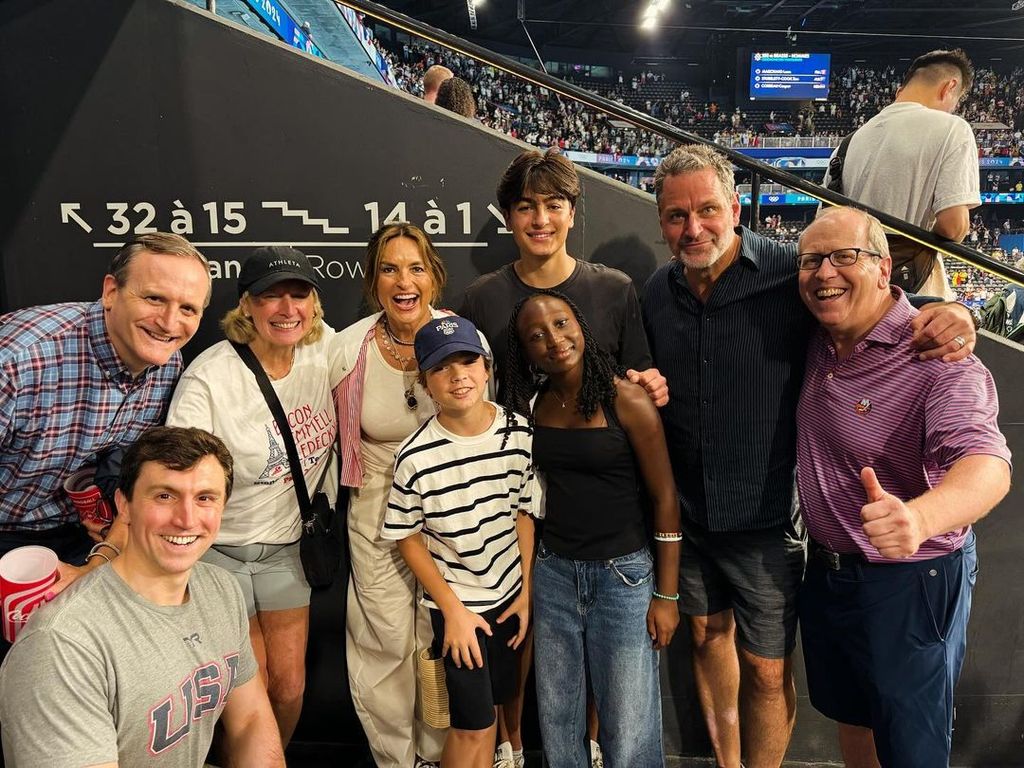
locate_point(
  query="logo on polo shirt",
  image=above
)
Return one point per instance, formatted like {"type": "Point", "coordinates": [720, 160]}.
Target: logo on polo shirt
{"type": "Point", "coordinates": [863, 406]}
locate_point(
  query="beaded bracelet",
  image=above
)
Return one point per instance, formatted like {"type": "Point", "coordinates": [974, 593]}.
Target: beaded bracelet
{"type": "Point", "coordinates": [673, 536]}
{"type": "Point", "coordinates": [674, 597]}
{"type": "Point", "coordinates": [107, 544]}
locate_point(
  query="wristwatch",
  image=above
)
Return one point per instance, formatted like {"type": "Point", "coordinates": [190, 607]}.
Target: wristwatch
{"type": "Point", "coordinates": [976, 317]}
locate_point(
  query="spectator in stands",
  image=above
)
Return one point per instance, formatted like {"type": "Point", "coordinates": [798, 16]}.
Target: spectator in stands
{"type": "Point", "coordinates": [381, 402]}
{"type": "Point", "coordinates": [937, 155]}
{"type": "Point", "coordinates": [727, 326]}
{"type": "Point", "coordinates": [138, 661]}
{"type": "Point", "coordinates": [887, 597]}
{"type": "Point", "coordinates": [456, 95]}
{"type": "Point", "coordinates": [80, 379]}
{"type": "Point", "coordinates": [432, 80]}
{"type": "Point", "coordinates": [279, 320]}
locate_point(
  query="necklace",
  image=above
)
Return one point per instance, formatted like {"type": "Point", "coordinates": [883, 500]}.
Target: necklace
{"type": "Point", "coordinates": [391, 335]}
{"type": "Point", "coordinates": [410, 391]}
{"type": "Point", "coordinates": [279, 372]}
{"type": "Point", "coordinates": [559, 398]}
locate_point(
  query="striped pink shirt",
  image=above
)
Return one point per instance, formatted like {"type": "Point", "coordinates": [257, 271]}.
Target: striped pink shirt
{"type": "Point", "coordinates": [882, 407]}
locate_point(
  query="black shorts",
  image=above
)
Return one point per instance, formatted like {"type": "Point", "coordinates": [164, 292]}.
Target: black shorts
{"type": "Point", "coordinates": [473, 693]}
{"type": "Point", "coordinates": [757, 574]}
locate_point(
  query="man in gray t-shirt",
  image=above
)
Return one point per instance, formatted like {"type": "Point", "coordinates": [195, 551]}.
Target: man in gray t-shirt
{"type": "Point", "coordinates": [136, 661]}
{"type": "Point", "coordinates": [917, 161]}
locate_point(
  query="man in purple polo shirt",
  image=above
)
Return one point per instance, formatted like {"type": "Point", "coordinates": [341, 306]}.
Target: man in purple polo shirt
{"type": "Point", "coordinates": [896, 457]}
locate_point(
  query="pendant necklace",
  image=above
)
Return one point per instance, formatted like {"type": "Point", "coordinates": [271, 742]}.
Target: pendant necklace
{"type": "Point", "coordinates": [559, 398]}
{"type": "Point", "coordinates": [410, 392]}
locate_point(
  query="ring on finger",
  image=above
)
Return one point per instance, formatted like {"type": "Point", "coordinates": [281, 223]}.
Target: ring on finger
{"type": "Point", "coordinates": [960, 341]}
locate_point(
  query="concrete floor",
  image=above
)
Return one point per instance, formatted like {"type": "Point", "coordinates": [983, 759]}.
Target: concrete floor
{"type": "Point", "coordinates": [319, 756]}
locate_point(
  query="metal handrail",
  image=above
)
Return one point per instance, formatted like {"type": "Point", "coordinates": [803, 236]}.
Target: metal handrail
{"type": "Point", "coordinates": [646, 122]}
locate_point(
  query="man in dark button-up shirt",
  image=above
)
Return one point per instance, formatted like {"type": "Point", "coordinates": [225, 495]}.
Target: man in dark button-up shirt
{"type": "Point", "coordinates": [729, 332]}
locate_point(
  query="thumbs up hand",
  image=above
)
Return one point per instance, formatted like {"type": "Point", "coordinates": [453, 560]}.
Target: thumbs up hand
{"type": "Point", "coordinates": [893, 528]}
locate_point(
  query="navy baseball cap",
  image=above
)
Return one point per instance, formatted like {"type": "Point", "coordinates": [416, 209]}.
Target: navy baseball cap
{"type": "Point", "coordinates": [274, 264]}
{"type": "Point", "coordinates": [444, 336]}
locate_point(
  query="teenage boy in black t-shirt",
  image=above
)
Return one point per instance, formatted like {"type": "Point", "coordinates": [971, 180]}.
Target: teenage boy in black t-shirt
{"type": "Point", "coordinates": [537, 195]}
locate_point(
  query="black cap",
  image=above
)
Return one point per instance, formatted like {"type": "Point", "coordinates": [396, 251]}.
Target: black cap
{"type": "Point", "coordinates": [273, 264]}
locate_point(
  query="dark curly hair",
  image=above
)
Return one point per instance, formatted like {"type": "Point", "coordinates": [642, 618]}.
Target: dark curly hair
{"type": "Point", "coordinates": [599, 367]}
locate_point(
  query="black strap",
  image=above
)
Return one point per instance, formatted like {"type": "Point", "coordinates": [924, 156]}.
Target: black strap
{"type": "Point", "coordinates": [835, 165]}
{"type": "Point", "coordinates": [298, 478]}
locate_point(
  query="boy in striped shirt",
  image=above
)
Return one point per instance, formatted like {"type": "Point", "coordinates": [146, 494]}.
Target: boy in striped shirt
{"type": "Point", "coordinates": [460, 509]}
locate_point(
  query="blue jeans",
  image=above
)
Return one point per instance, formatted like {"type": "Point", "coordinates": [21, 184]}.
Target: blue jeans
{"type": "Point", "coordinates": [591, 621]}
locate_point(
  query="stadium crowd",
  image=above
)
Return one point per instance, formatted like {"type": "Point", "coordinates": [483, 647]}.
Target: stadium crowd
{"type": "Point", "coordinates": [540, 118]}
{"type": "Point", "coordinates": [527, 112]}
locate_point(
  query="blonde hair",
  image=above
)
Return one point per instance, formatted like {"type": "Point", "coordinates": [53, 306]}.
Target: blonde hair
{"type": "Point", "coordinates": [239, 328]}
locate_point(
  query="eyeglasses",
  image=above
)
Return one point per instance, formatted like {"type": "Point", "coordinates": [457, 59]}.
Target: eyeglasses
{"type": "Point", "coordinates": [843, 257]}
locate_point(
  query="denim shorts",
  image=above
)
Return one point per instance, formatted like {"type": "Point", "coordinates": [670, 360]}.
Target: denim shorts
{"type": "Point", "coordinates": [883, 646]}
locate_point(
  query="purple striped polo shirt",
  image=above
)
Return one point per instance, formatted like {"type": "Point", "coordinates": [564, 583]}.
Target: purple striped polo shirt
{"type": "Point", "coordinates": [882, 407]}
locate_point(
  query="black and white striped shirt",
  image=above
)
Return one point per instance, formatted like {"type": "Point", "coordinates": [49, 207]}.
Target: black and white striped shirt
{"type": "Point", "coordinates": [464, 494]}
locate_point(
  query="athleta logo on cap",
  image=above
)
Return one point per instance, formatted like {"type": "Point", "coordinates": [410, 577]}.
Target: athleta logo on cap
{"type": "Point", "coordinates": [284, 263]}
{"type": "Point", "coordinates": [447, 327]}
{"type": "Point", "coordinates": [863, 407]}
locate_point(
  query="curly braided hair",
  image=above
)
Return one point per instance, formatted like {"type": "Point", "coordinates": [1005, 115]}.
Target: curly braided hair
{"type": "Point", "coordinates": [522, 383]}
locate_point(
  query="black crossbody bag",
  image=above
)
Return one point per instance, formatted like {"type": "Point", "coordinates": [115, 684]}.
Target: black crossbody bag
{"type": "Point", "coordinates": [321, 543]}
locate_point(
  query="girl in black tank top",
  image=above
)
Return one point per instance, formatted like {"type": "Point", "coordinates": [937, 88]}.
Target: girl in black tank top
{"type": "Point", "coordinates": [597, 437]}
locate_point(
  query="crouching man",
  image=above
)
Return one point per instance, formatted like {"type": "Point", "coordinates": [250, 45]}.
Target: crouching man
{"type": "Point", "coordinates": [135, 662]}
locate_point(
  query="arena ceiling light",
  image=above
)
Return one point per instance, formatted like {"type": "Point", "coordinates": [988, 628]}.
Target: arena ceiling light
{"type": "Point", "coordinates": [471, 10]}
{"type": "Point", "coordinates": [652, 13]}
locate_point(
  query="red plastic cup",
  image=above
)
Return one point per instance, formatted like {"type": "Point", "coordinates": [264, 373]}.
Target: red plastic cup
{"type": "Point", "coordinates": [86, 497]}
{"type": "Point", "coordinates": [26, 575]}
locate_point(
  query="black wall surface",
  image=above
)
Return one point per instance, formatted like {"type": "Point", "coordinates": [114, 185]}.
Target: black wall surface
{"type": "Point", "coordinates": [127, 114]}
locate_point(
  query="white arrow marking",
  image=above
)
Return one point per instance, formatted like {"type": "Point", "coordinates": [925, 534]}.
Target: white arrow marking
{"type": "Point", "coordinates": [67, 213]}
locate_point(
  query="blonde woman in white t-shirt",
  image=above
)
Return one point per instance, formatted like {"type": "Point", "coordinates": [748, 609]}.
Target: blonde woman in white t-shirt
{"type": "Point", "coordinates": [280, 318]}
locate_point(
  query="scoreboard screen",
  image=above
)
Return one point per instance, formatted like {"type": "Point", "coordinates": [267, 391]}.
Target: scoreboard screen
{"type": "Point", "coordinates": [789, 76]}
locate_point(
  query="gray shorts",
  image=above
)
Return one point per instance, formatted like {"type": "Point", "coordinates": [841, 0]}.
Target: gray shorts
{"type": "Point", "coordinates": [270, 575]}
{"type": "Point", "coordinates": [755, 573]}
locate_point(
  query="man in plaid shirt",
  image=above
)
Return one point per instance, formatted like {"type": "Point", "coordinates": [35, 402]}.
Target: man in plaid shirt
{"type": "Point", "coordinates": [77, 378]}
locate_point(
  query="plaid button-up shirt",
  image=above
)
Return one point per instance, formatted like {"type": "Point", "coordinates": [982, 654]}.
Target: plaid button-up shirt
{"type": "Point", "coordinates": [64, 395]}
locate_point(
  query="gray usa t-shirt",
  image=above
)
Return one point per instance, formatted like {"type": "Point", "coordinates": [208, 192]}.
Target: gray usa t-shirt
{"type": "Point", "coordinates": [102, 675]}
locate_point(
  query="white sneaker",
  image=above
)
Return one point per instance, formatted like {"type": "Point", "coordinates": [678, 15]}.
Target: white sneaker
{"type": "Point", "coordinates": [504, 757]}
{"type": "Point", "coordinates": [596, 758]}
